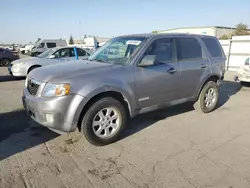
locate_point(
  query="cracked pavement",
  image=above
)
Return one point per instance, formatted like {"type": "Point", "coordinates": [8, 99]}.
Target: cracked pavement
{"type": "Point", "coordinates": [173, 148]}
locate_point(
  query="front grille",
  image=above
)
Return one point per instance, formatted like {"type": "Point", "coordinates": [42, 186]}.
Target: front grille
{"type": "Point", "coordinates": [33, 86]}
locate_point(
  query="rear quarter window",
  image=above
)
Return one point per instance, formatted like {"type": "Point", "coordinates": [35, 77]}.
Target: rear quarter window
{"type": "Point", "coordinates": [213, 47]}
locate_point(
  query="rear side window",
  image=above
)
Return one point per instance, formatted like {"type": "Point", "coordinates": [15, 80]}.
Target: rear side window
{"type": "Point", "coordinates": [81, 52]}
{"type": "Point", "coordinates": [213, 47]}
{"type": "Point", "coordinates": [51, 44]}
{"type": "Point", "coordinates": [188, 48]}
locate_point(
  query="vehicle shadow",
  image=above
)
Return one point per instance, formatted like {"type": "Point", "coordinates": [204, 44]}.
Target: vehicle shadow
{"type": "Point", "coordinates": [19, 133]}
{"type": "Point", "coordinates": [8, 78]}
{"type": "Point", "coordinates": [227, 89]}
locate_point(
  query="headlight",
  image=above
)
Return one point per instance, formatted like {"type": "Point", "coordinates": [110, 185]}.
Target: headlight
{"type": "Point", "coordinates": [56, 90]}
{"type": "Point", "coordinates": [26, 81]}
{"type": "Point", "coordinates": [18, 64]}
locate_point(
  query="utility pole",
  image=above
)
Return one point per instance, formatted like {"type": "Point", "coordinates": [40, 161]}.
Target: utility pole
{"type": "Point", "coordinates": [80, 27]}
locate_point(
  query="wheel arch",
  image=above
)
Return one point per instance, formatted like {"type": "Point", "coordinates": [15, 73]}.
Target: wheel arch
{"type": "Point", "coordinates": [214, 78]}
{"type": "Point", "coordinates": [115, 94]}
{"type": "Point", "coordinates": [33, 66]}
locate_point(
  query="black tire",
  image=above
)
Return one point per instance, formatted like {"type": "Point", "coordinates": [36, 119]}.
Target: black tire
{"type": "Point", "coordinates": [36, 54]}
{"type": "Point", "coordinates": [199, 105]}
{"type": "Point", "coordinates": [32, 68]}
{"type": "Point", "coordinates": [244, 83]}
{"type": "Point", "coordinates": [86, 123]}
{"type": "Point", "coordinates": [5, 62]}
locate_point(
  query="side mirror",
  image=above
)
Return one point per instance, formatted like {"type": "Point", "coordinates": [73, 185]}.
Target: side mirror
{"type": "Point", "coordinates": [148, 60]}
{"type": "Point", "coordinates": [52, 56]}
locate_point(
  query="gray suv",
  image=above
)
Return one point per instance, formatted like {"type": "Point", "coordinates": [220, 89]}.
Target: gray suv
{"type": "Point", "coordinates": [127, 76]}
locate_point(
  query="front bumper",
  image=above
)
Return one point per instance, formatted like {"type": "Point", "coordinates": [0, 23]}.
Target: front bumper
{"type": "Point", "coordinates": [59, 113]}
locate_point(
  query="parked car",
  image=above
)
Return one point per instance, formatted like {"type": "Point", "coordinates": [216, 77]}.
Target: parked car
{"type": "Point", "coordinates": [25, 49]}
{"type": "Point", "coordinates": [146, 72]}
{"type": "Point", "coordinates": [45, 44]}
{"type": "Point", "coordinates": [243, 73]}
{"type": "Point", "coordinates": [51, 56]}
{"type": "Point", "coordinates": [6, 57]}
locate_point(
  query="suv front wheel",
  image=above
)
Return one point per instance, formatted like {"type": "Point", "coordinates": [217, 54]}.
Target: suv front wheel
{"type": "Point", "coordinates": [208, 98]}
{"type": "Point", "coordinates": [104, 121]}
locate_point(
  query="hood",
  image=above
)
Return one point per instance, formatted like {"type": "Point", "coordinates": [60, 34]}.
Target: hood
{"type": "Point", "coordinates": [24, 60]}
{"type": "Point", "coordinates": [68, 71]}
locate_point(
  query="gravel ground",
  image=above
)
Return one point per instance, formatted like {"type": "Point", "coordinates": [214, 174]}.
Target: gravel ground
{"type": "Point", "coordinates": [173, 148]}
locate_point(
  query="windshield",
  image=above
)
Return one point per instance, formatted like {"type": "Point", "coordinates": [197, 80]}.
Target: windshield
{"type": "Point", "coordinates": [46, 53]}
{"type": "Point", "coordinates": [118, 50]}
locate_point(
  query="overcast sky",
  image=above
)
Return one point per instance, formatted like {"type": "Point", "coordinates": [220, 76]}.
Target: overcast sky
{"type": "Point", "coordinates": [26, 20]}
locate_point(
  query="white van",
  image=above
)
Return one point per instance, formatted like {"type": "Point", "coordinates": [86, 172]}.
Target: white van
{"type": "Point", "coordinates": [45, 44]}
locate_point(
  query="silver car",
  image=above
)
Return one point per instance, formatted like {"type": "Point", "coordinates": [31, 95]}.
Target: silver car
{"type": "Point", "coordinates": [52, 56]}
{"type": "Point", "coordinates": [127, 76]}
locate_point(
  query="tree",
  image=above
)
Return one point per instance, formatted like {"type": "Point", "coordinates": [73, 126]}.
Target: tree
{"type": "Point", "coordinates": [226, 36]}
{"type": "Point", "coordinates": [241, 29]}
{"type": "Point", "coordinates": [71, 40]}
{"type": "Point", "coordinates": [154, 31]}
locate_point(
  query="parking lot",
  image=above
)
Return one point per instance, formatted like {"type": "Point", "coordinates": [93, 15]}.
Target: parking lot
{"type": "Point", "coordinates": [176, 147]}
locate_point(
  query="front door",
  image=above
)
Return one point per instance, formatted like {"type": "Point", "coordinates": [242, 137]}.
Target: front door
{"type": "Point", "coordinates": [158, 83]}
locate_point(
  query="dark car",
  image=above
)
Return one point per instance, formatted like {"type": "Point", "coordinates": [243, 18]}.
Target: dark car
{"type": "Point", "coordinates": [7, 56]}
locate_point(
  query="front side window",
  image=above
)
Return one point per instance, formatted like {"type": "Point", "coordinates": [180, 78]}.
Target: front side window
{"type": "Point", "coordinates": [51, 44]}
{"type": "Point", "coordinates": [62, 53]}
{"type": "Point", "coordinates": [46, 53]}
{"type": "Point", "coordinates": [213, 47]}
{"type": "Point", "coordinates": [118, 50]}
{"type": "Point", "coordinates": [163, 49]}
{"type": "Point", "coordinates": [41, 45]}
{"type": "Point", "coordinates": [188, 48]}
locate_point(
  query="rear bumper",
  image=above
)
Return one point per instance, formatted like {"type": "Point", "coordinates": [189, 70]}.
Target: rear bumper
{"type": "Point", "coordinates": [243, 77]}
{"type": "Point", "coordinates": [220, 80]}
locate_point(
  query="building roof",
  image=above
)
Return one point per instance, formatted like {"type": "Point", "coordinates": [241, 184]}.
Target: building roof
{"type": "Point", "coordinates": [219, 27]}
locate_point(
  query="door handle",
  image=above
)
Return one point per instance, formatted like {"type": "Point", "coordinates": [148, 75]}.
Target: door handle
{"type": "Point", "coordinates": [172, 70]}
{"type": "Point", "coordinates": [203, 66]}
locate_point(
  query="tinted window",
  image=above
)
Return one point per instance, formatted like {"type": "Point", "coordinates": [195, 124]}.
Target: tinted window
{"type": "Point", "coordinates": [41, 45]}
{"type": "Point", "coordinates": [188, 48]}
{"type": "Point", "coordinates": [81, 52]}
{"type": "Point", "coordinates": [163, 49]}
{"type": "Point", "coordinates": [62, 53]}
{"type": "Point", "coordinates": [71, 52]}
{"type": "Point", "coordinates": [51, 45]}
{"type": "Point", "coordinates": [213, 47]}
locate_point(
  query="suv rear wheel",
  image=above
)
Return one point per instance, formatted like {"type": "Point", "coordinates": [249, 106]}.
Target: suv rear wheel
{"type": "Point", "coordinates": [208, 98]}
{"type": "Point", "coordinates": [104, 121]}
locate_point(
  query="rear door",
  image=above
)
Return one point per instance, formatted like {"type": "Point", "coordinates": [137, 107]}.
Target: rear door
{"type": "Point", "coordinates": [82, 53]}
{"type": "Point", "coordinates": [194, 65]}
